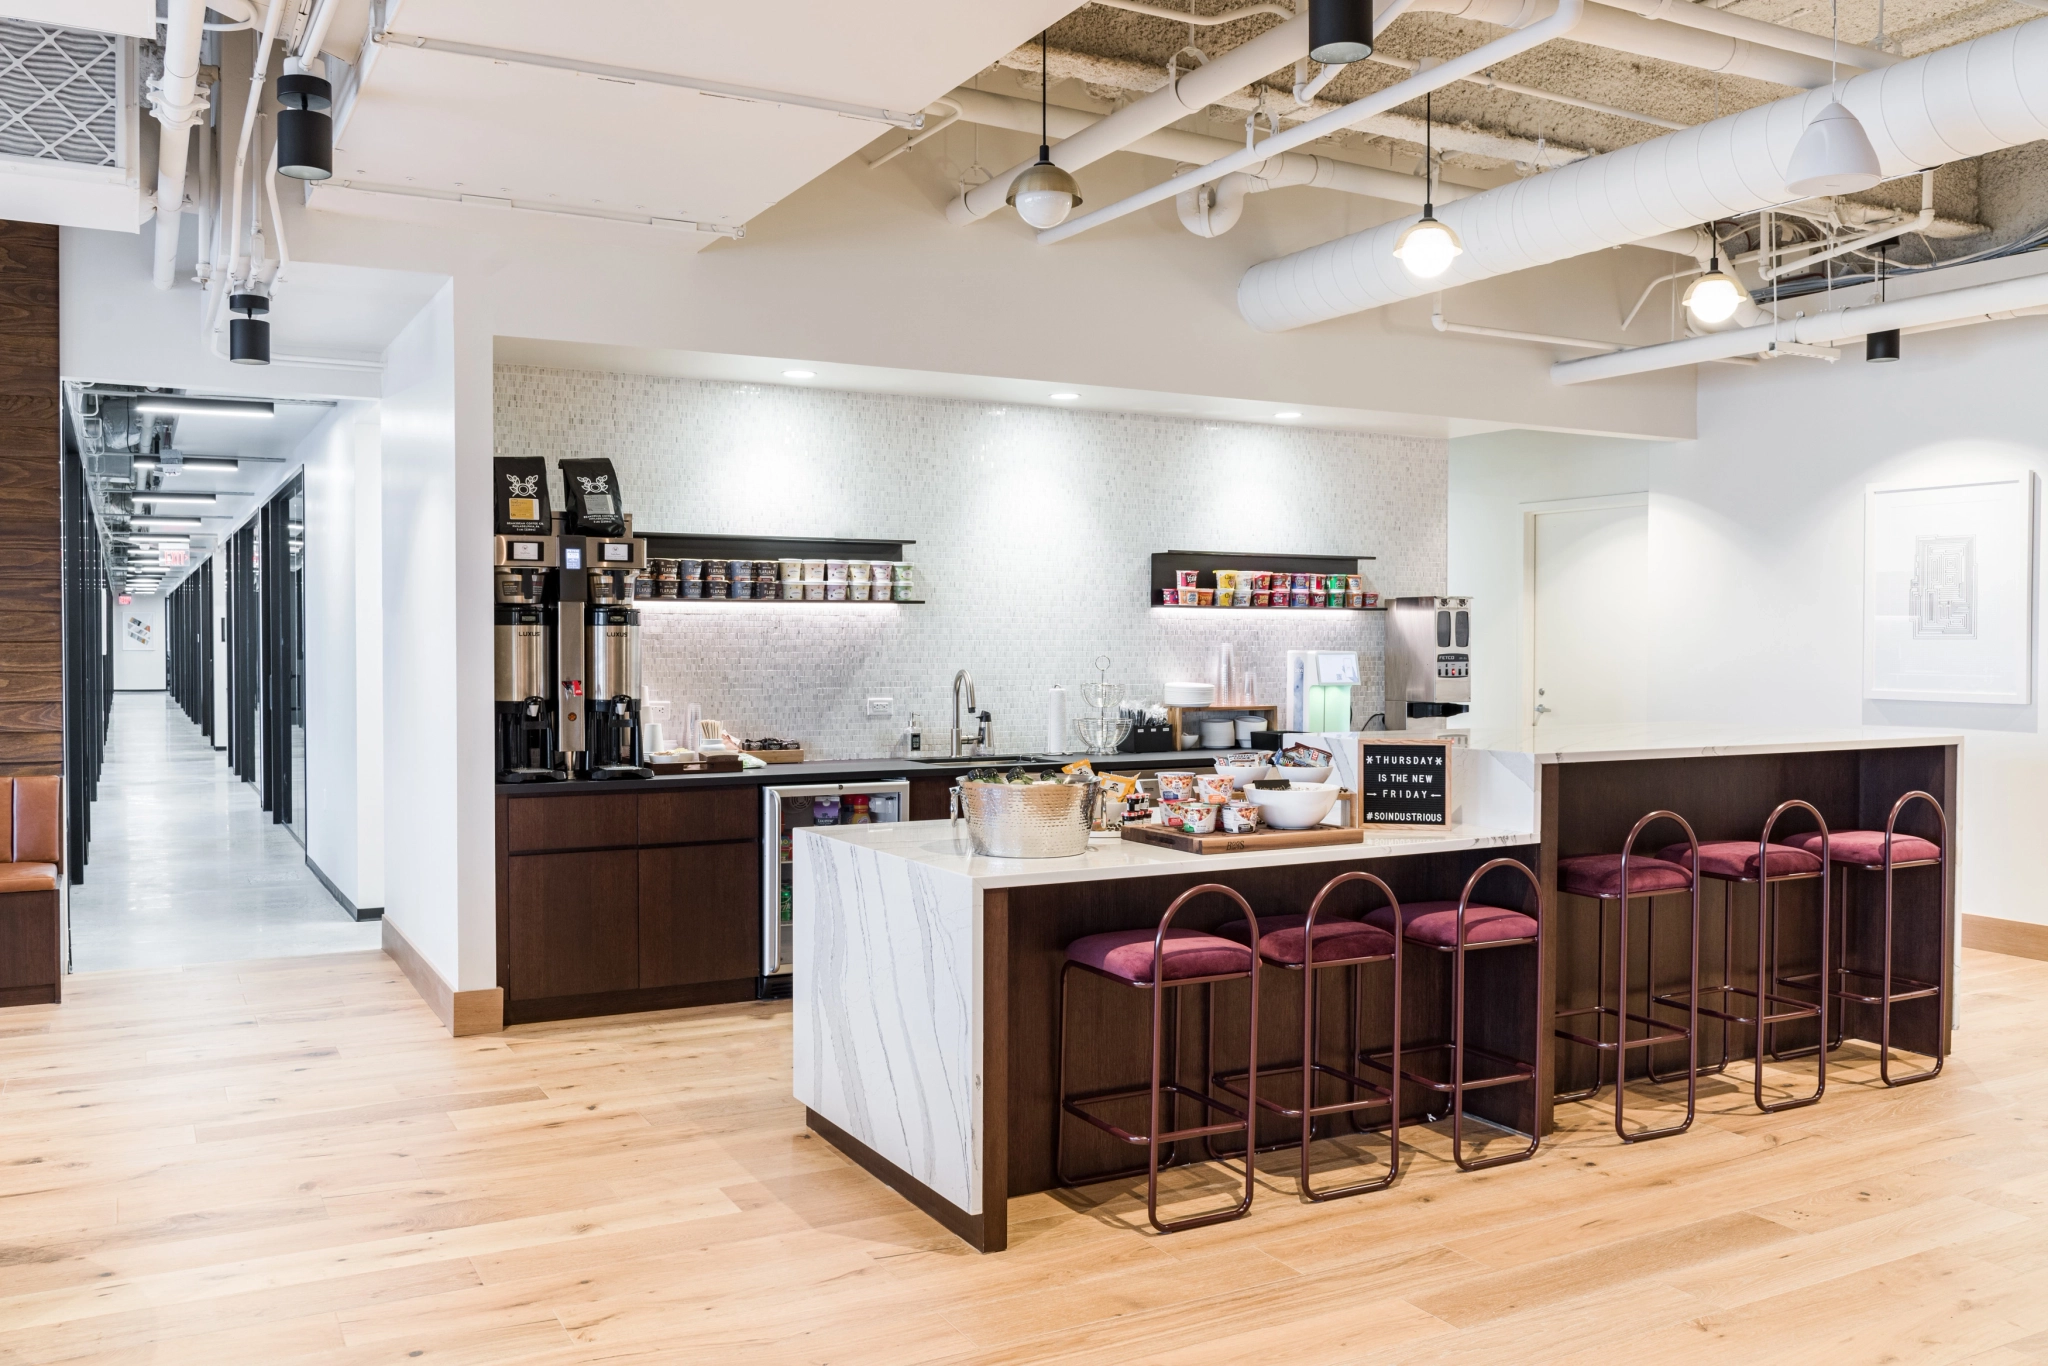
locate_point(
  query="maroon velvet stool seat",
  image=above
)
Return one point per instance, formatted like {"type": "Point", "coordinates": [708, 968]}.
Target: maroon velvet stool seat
{"type": "Point", "coordinates": [1622, 878]}
{"type": "Point", "coordinates": [1460, 928]}
{"type": "Point", "coordinates": [1768, 866]}
{"type": "Point", "coordinates": [1161, 961]}
{"type": "Point", "coordinates": [1884, 852]}
{"type": "Point", "coordinates": [1310, 945]}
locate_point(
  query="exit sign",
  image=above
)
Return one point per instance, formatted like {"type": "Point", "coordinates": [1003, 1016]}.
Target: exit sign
{"type": "Point", "coordinates": [175, 555]}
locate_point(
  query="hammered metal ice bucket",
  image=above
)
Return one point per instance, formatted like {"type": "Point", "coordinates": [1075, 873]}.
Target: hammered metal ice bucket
{"type": "Point", "coordinates": [1034, 820]}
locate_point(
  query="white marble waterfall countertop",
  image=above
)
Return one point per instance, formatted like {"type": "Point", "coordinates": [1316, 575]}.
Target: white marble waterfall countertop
{"type": "Point", "coordinates": [1555, 744]}
{"type": "Point", "coordinates": [943, 847]}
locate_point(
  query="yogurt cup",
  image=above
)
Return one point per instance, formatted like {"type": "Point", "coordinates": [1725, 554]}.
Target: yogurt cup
{"type": "Point", "coordinates": [857, 571]}
{"type": "Point", "coordinates": [902, 590]}
{"type": "Point", "coordinates": [814, 569]}
{"type": "Point", "coordinates": [790, 571]}
{"type": "Point", "coordinates": [857, 590]}
{"type": "Point", "coordinates": [835, 590]}
{"type": "Point", "coordinates": [835, 571]}
{"type": "Point", "coordinates": [814, 589]}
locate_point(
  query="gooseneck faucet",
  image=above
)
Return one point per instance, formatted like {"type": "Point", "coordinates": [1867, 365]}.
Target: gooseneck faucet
{"type": "Point", "coordinates": [961, 680]}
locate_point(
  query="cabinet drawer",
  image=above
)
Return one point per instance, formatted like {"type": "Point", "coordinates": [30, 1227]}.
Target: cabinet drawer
{"type": "Point", "coordinates": [729, 813]}
{"type": "Point", "coordinates": [575, 922]}
{"type": "Point", "coordinates": [542, 823]}
{"type": "Point", "coordinates": [700, 914]}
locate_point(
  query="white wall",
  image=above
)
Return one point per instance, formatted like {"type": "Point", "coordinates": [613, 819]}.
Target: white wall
{"type": "Point", "coordinates": [1034, 530]}
{"type": "Point", "coordinates": [344, 654]}
{"type": "Point", "coordinates": [139, 670]}
{"type": "Point", "coordinates": [1756, 545]}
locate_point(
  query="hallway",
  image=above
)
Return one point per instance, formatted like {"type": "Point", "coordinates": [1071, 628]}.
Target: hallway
{"type": "Point", "coordinates": [185, 867]}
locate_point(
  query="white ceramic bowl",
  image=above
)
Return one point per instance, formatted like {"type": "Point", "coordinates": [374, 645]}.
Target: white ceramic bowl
{"type": "Point", "coordinates": [1300, 807]}
{"type": "Point", "coordinates": [1301, 775]}
{"type": "Point", "coordinates": [1243, 773]}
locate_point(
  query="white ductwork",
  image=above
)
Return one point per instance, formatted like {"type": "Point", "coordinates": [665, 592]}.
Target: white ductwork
{"type": "Point", "coordinates": [1978, 303]}
{"type": "Point", "coordinates": [1976, 97]}
{"type": "Point", "coordinates": [1195, 91]}
{"type": "Point", "coordinates": [175, 99]}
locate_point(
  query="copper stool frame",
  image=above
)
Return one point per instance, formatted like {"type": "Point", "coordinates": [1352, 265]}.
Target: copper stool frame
{"type": "Point", "coordinates": [1622, 1044]}
{"type": "Point", "coordinates": [1152, 1139]}
{"type": "Point", "coordinates": [1518, 1070]}
{"type": "Point", "coordinates": [1887, 994]}
{"type": "Point", "coordinates": [1768, 980]}
{"type": "Point", "coordinates": [1311, 1066]}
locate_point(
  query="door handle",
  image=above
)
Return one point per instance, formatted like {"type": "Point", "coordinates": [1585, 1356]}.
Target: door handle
{"type": "Point", "coordinates": [1540, 708]}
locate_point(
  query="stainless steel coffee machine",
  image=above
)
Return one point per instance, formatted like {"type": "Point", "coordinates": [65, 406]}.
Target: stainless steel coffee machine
{"type": "Point", "coordinates": [597, 628]}
{"type": "Point", "coordinates": [524, 618]}
{"type": "Point", "coordinates": [1429, 663]}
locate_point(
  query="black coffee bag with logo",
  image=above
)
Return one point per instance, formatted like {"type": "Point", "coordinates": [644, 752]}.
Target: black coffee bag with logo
{"type": "Point", "coordinates": [521, 497]}
{"type": "Point", "coordinates": [590, 496]}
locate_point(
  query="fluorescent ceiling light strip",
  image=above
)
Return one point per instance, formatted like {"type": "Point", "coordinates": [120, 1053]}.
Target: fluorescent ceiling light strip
{"type": "Point", "coordinates": [181, 405]}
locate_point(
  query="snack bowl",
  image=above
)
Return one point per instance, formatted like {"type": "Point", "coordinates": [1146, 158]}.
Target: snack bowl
{"type": "Point", "coordinates": [1300, 806]}
{"type": "Point", "coordinates": [1242, 770]}
{"type": "Point", "coordinates": [1319, 774]}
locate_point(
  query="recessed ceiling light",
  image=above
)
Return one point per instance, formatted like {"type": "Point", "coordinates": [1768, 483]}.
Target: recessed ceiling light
{"type": "Point", "coordinates": [799, 374]}
{"type": "Point", "coordinates": [1287, 417]}
{"type": "Point", "coordinates": [1064, 398]}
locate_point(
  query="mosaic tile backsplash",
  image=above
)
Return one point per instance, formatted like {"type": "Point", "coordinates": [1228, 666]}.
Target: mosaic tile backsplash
{"type": "Point", "coordinates": [1034, 531]}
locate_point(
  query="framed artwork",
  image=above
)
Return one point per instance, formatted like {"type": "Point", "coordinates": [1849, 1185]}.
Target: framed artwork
{"type": "Point", "coordinates": [138, 633]}
{"type": "Point", "coordinates": [1948, 591]}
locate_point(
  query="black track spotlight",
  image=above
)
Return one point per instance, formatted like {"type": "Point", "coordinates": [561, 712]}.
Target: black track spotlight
{"type": "Point", "coordinates": [305, 130]}
{"type": "Point", "coordinates": [1339, 31]}
{"type": "Point", "coordinates": [1882, 346]}
{"type": "Point", "coordinates": [249, 335]}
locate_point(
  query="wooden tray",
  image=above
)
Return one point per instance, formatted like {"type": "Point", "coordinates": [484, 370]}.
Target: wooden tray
{"type": "Point", "coordinates": [710, 763]}
{"type": "Point", "coordinates": [1221, 843]}
{"type": "Point", "coordinates": [778, 756]}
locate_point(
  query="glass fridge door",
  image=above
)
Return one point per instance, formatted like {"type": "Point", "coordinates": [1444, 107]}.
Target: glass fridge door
{"type": "Point", "coordinates": [789, 809]}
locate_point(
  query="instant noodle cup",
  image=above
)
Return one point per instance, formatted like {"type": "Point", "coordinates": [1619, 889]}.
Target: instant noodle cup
{"type": "Point", "coordinates": [1262, 597]}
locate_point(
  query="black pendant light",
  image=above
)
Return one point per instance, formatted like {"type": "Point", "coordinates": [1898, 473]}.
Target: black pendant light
{"type": "Point", "coordinates": [1882, 346]}
{"type": "Point", "coordinates": [1339, 31]}
{"type": "Point", "coordinates": [249, 335]}
{"type": "Point", "coordinates": [1044, 194]}
{"type": "Point", "coordinates": [305, 130]}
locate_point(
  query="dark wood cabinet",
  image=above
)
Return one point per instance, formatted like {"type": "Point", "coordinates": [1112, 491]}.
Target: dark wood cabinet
{"type": "Point", "coordinates": [539, 824]}
{"type": "Point", "coordinates": [732, 813]}
{"type": "Point", "coordinates": [929, 800]}
{"type": "Point", "coordinates": [700, 914]}
{"type": "Point", "coordinates": [575, 923]}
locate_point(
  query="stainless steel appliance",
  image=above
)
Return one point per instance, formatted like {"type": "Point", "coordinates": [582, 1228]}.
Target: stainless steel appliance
{"type": "Point", "coordinates": [787, 809]}
{"type": "Point", "coordinates": [611, 679]}
{"type": "Point", "coordinates": [1429, 663]}
{"type": "Point", "coordinates": [523, 627]}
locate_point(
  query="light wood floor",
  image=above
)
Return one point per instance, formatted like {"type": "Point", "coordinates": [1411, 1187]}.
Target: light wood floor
{"type": "Point", "coordinates": [289, 1162]}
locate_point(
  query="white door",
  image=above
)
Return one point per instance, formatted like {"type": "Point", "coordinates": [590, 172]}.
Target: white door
{"type": "Point", "coordinates": [1592, 598]}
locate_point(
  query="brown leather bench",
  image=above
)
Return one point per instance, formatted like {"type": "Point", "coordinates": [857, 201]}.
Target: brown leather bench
{"type": "Point", "coordinates": [31, 856]}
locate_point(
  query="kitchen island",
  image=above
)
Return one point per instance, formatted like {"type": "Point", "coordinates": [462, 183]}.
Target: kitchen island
{"type": "Point", "coordinates": [926, 989]}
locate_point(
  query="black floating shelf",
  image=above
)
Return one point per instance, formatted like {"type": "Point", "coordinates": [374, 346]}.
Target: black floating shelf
{"type": "Point", "coordinates": [1177, 607]}
{"type": "Point", "coordinates": [668, 545]}
{"type": "Point", "coordinates": [1166, 563]}
{"type": "Point", "coordinates": [775, 602]}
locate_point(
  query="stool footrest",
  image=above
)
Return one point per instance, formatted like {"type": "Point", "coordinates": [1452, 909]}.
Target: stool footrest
{"type": "Point", "coordinates": [1516, 1069]}
{"type": "Point", "coordinates": [1803, 1010]}
{"type": "Point", "coordinates": [1074, 1106]}
{"type": "Point", "coordinates": [1230, 1083]}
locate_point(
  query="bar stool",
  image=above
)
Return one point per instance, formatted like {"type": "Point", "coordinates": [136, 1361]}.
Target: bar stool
{"type": "Point", "coordinates": [1310, 946]}
{"type": "Point", "coordinates": [1885, 851]}
{"type": "Point", "coordinates": [1159, 961]}
{"type": "Point", "coordinates": [1459, 928]}
{"type": "Point", "coordinates": [1767, 865]}
{"type": "Point", "coordinates": [1622, 878]}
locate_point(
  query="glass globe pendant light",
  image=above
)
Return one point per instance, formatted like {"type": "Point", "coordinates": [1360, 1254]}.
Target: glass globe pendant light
{"type": "Point", "coordinates": [1044, 194]}
{"type": "Point", "coordinates": [1427, 248]}
{"type": "Point", "coordinates": [1714, 297]}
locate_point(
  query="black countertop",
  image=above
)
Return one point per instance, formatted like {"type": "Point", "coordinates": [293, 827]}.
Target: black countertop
{"type": "Point", "coordinates": [856, 771]}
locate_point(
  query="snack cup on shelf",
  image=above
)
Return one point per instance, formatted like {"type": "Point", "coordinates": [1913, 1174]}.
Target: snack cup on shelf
{"type": "Point", "coordinates": [1197, 818]}
{"type": "Point", "coordinates": [1176, 786]}
{"type": "Point", "coordinates": [1215, 788]}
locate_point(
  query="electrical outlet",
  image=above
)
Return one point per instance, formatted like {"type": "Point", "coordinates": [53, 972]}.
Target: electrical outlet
{"type": "Point", "coordinates": [881, 706]}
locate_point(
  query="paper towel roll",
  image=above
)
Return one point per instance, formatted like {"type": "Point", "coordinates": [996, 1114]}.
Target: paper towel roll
{"type": "Point", "coordinates": [1056, 720]}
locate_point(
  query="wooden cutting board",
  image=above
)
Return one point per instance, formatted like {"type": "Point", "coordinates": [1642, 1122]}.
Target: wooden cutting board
{"type": "Point", "coordinates": [1221, 843]}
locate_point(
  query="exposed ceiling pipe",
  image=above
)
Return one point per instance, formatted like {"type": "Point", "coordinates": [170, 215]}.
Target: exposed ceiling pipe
{"type": "Point", "coordinates": [1486, 82]}
{"type": "Point", "coordinates": [1203, 20]}
{"type": "Point", "coordinates": [1194, 91]}
{"type": "Point", "coordinates": [1978, 303]}
{"type": "Point", "coordinates": [1171, 144]}
{"type": "Point", "coordinates": [1559, 22]}
{"type": "Point", "coordinates": [230, 260]}
{"type": "Point", "coordinates": [1818, 46]}
{"type": "Point", "coordinates": [314, 34]}
{"type": "Point", "coordinates": [178, 103]}
{"type": "Point", "coordinates": [1777, 269]}
{"type": "Point", "coordinates": [1976, 97]}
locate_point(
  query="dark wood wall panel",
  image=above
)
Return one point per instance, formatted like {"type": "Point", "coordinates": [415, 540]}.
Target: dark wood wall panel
{"type": "Point", "coordinates": [31, 631]}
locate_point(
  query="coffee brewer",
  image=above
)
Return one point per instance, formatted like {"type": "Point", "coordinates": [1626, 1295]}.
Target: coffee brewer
{"type": "Point", "coordinates": [526, 555]}
{"type": "Point", "coordinates": [1429, 663]}
{"type": "Point", "coordinates": [597, 628]}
